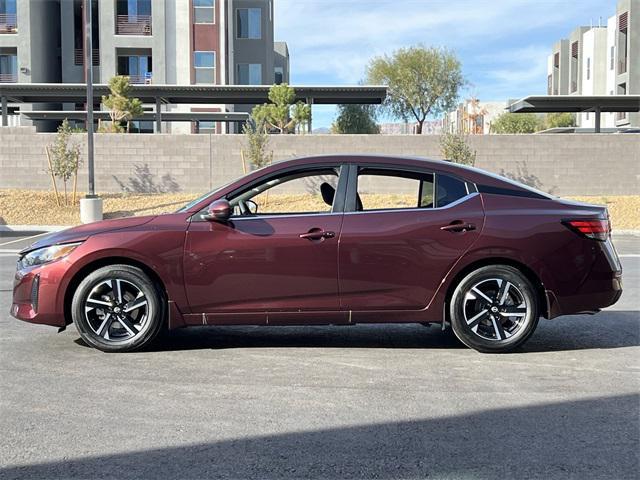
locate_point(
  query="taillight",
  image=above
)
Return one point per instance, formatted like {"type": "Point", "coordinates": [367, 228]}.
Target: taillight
{"type": "Point", "coordinates": [596, 229]}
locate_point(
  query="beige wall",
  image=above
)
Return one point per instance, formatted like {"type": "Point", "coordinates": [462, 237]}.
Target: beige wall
{"type": "Point", "coordinates": [561, 164]}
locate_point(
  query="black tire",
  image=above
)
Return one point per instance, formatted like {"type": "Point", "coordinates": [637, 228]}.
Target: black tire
{"type": "Point", "coordinates": [495, 330]}
{"type": "Point", "coordinates": [120, 332]}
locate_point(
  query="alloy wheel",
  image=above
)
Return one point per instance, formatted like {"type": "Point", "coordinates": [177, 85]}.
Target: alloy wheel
{"type": "Point", "coordinates": [495, 309]}
{"type": "Point", "coordinates": [116, 310]}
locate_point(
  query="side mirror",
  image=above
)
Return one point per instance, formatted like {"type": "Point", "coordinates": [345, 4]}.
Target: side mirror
{"type": "Point", "coordinates": [218, 211]}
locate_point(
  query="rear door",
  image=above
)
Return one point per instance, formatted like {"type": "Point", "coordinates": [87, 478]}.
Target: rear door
{"type": "Point", "coordinates": [406, 231]}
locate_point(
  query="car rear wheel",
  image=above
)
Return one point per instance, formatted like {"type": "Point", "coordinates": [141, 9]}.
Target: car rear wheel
{"type": "Point", "coordinates": [494, 309]}
{"type": "Point", "coordinates": [118, 308]}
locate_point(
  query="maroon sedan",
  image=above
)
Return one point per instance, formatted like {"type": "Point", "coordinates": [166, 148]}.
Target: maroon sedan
{"type": "Point", "coordinates": [330, 240]}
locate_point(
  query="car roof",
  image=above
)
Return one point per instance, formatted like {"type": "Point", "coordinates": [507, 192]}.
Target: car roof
{"type": "Point", "coordinates": [468, 173]}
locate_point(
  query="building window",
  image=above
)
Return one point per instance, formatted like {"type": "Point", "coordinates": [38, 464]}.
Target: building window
{"type": "Point", "coordinates": [137, 67]}
{"type": "Point", "coordinates": [588, 68]}
{"type": "Point", "coordinates": [278, 75]}
{"type": "Point", "coordinates": [8, 68]}
{"type": "Point", "coordinates": [203, 11]}
{"type": "Point", "coordinates": [623, 42]}
{"type": "Point", "coordinates": [249, 74]}
{"type": "Point", "coordinates": [205, 126]}
{"type": "Point", "coordinates": [249, 23]}
{"type": "Point", "coordinates": [613, 58]}
{"type": "Point", "coordinates": [8, 17]}
{"type": "Point", "coordinates": [133, 17]}
{"type": "Point", "coordinates": [205, 67]}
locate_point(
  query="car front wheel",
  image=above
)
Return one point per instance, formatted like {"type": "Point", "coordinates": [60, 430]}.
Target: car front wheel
{"type": "Point", "coordinates": [494, 309]}
{"type": "Point", "coordinates": [118, 308]}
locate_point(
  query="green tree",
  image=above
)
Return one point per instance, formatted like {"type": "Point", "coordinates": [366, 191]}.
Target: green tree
{"type": "Point", "coordinates": [278, 114]}
{"type": "Point", "coordinates": [354, 118]}
{"type": "Point", "coordinates": [122, 108]}
{"type": "Point", "coordinates": [256, 144]}
{"type": "Point", "coordinates": [422, 81]}
{"type": "Point", "coordinates": [516, 123]}
{"type": "Point", "coordinates": [64, 159]}
{"type": "Point", "coordinates": [302, 117]}
{"type": "Point", "coordinates": [454, 148]}
{"type": "Point", "coordinates": [559, 120]}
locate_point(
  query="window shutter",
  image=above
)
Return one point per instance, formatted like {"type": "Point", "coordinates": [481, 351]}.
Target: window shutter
{"type": "Point", "coordinates": [574, 49]}
{"type": "Point", "coordinates": [556, 60]}
{"type": "Point", "coordinates": [623, 21]}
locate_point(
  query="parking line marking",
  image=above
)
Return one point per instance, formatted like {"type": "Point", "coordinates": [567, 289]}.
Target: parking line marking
{"type": "Point", "coordinates": [23, 239]}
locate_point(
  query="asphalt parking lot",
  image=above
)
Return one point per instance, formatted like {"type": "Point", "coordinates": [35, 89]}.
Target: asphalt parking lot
{"type": "Point", "coordinates": [342, 402]}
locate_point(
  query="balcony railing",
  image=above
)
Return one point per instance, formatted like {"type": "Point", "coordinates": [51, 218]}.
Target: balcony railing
{"type": "Point", "coordinates": [8, 77]}
{"type": "Point", "coordinates": [78, 57]}
{"type": "Point", "coordinates": [622, 66]}
{"type": "Point", "coordinates": [133, 25]}
{"type": "Point", "coordinates": [8, 23]}
{"type": "Point", "coordinates": [139, 79]}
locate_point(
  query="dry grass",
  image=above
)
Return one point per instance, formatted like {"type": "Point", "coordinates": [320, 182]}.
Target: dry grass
{"type": "Point", "coordinates": [28, 207]}
{"type": "Point", "coordinates": [624, 209]}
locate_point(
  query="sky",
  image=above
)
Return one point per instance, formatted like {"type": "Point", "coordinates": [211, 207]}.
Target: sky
{"type": "Point", "coordinates": [503, 44]}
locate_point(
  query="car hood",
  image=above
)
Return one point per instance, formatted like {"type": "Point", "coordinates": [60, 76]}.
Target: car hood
{"type": "Point", "coordinates": [82, 232]}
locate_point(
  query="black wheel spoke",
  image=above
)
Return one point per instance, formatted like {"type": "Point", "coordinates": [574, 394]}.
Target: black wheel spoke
{"type": "Point", "coordinates": [128, 325]}
{"type": "Point", "coordinates": [499, 330]}
{"type": "Point", "coordinates": [473, 321]}
{"type": "Point", "coordinates": [513, 311]}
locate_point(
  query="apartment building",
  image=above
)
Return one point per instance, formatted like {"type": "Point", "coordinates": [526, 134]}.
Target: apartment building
{"type": "Point", "coordinates": [600, 60]}
{"type": "Point", "coordinates": [473, 117]}
{"type": "Point", "coordinates": [178, 42]}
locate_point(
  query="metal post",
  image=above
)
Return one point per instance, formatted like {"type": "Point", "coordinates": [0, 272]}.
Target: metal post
{"type": "Point", "coordinates": [5, 118]}
{"type": "Point", "coordinates": [88, 65]}
{"type": "Point", "coordinates": [158, 115]}
{"type": "Point", "coordinates": [598, 115]}
{"type": "Point", "coordinates": [91, 205]}
{"type": "Point", "coordinates": [310, 103]}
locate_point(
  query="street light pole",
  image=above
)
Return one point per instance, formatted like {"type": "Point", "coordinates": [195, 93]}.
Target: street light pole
{"type": "Point", "coordinates": [91, 205]}
{"type": "Point", "coordinates": [88, 65]}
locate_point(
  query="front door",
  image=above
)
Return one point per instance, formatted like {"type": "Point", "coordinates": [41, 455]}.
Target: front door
{"type": "Point", "coordinates": [277, 255]}
{"type": "Point", "coordinates": [408, 230]}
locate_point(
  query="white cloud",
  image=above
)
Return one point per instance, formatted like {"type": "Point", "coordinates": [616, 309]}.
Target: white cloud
{"type": "Point", "coordinates": [503, 43]}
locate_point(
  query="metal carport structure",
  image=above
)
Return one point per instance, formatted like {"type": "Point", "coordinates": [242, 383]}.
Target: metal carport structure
{"type": "Point", "coordinates": [577, 104]}
{"type": "Point", "coordinates": [187, 94]}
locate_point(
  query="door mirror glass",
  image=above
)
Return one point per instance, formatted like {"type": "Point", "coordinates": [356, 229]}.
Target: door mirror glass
{"type": "Point", "coordinates": [218, 211]}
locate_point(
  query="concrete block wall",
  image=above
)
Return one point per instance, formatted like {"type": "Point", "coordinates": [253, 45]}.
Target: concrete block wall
{"type": "Point", "coordinates": [560, 164]}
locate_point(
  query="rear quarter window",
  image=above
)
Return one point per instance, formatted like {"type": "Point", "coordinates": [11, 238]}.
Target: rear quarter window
{"type": "Point", "coordinates": [449, 189]}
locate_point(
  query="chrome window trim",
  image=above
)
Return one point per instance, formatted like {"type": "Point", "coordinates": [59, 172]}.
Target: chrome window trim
{"type": "Point", "coordinates": [417, 209]}
{"type": "Point", "coordinates": [284, 215]}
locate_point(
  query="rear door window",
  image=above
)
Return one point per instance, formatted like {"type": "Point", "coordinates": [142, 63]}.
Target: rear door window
{"type": "Point", "coordinates": [382, 189]}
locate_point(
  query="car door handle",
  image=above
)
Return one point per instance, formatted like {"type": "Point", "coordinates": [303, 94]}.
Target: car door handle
{"type": "Point", "coordinates": [458, 227]}
{"type": "Point", "coordinates": [317, 234]}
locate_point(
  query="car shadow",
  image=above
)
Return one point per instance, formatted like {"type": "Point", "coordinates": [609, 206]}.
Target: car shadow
{"type": "Point", "coordinates": [591, 438]}
{"type": "Point", "coordinates": [610, 329]}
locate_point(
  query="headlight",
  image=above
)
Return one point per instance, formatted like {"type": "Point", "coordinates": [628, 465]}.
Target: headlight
{"type": "Point", "coordinates": [46, 255]}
